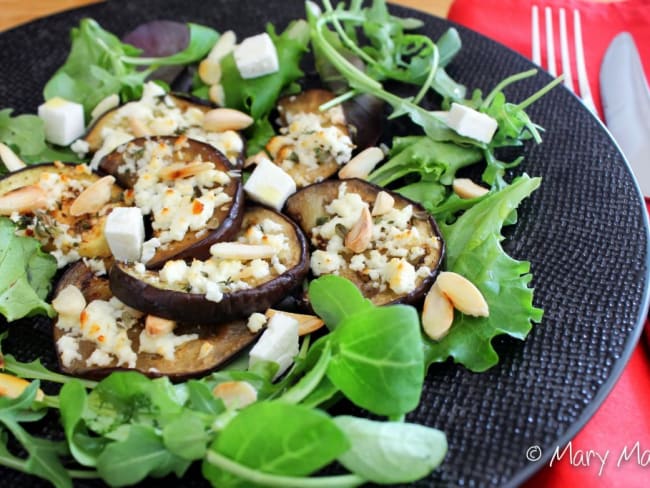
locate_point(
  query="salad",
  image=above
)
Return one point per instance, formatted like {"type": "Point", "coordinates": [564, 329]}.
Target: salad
{"type": "Point", "coordinates": [229, 249]}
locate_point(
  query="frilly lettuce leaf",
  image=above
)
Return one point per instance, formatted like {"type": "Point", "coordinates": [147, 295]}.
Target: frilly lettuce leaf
{"type": "Point", "coordinates": [25, 275]}
{"type": "Point", "coordinates": [474, 250]}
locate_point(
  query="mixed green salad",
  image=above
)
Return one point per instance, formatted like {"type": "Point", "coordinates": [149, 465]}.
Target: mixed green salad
{"type": "Point", "coordinates": [128, 427]}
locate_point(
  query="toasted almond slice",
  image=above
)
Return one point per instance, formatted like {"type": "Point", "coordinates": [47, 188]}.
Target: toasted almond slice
{"type": "Point", "coordinates": [157, 326]}
{"type": "Point", "coordinates": [384, 203]}
{"type": "Point", "coordinates": [210, 71]}
{"type": "Point", "coordinates": [12, 386]}
{"type": "Point", "coordinates": [223, 46]}
{"type": "Point", "coordinates": [437, 313]}
{"type": "Point", "coordinates": [10, 159]}
{"type": "Point", "coordinates": [217, 94]}
{"type": "Point", "coordinates": [256, 158]}
{"type": "Point", "coordinates": [24, 199]}
{"type": "Point", "coordinates": [69, 302]}
{"type": "Point", "coordinates": [359, 236]}
{"type": "Point", "coordinates": [235, 394]}
{"type": "Point", "coordinates": [93, 198]}
{"type": "Point", "coordinates": [177, 171]}
{"type": "Point", "coordinates": [276, 143]}
{"type": "Point", "coordinates": [106, 104]}
{"type": "Point", "coordinates": [463, 294]}
{"type": "Point", "coordinates": [466, 188]}
{"type": "Point", "coordinates": [205, 350]}
{"type": "Point", "coordinates": [222, 119]}
{"type": "Point", "coordinates": [236, 250]}
{"type": "Point", "coordinates": [306, 323]}
{"type": "Point", "coordinates": [362, 164]}
{"type": "Point", "coordinates": [138, 127]}
{"type": "Point", "coordinates": [285, 153]}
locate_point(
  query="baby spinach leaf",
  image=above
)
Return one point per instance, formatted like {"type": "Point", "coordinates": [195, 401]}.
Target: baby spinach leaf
{"type": "Point", "coordinates": [334, 298]}
{"type": "Point", "coordinates": [391, 452]}
{"type": "Point", "coordinates": [275, 437]}
{"type": "Point", "coordinates": [377, 359]}
{"type": "Point", "coordinates": [474, 251]}
{"type": "Point", "coordinates": [141, 454]}
{"type": "Point", "coordinates": [25, 275]}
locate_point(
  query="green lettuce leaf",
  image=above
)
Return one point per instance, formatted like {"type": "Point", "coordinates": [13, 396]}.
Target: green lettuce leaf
{"type": "Point", "coordinates": [25, 275]}
{"type": "Point", "coordinates": [474, 250]}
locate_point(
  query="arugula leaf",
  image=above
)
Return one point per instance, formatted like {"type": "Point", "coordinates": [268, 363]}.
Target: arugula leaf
{"type": "Point", "coordinates": [99, 64]}
{"type": "Point", "coordinates": [473, 250]}
{"type": "Point", "coordinates": [391, 452]}
{"type": "Point", "coordinates": [377, 359]}
{"type": "Point", "coordinates": [25, 135]}
{"type": "Point", "coordinates": [276, 438]}
{"type": "Point", "coordinates": [186, 436]}
{"type": "Point", "coordinates": [334, 299]}
{"type": "Point", "coordinates": [25, 275]}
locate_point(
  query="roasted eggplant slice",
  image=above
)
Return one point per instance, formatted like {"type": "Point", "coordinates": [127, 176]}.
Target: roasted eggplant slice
{"type": "Point", "coordinates": [267, 259]}
{"type": "Point", "coordinates": [158, 114]}
{"type": "Point", "coordinates": [64, 206]}
{"type": "Point", "coordinates": [386, 244]}
{"type": "Point", "coordinates": [187, 187]}
{"type": "Point", "coordinates": [106, 343]}
{"type": "Point", "coordinates": [312, 145]}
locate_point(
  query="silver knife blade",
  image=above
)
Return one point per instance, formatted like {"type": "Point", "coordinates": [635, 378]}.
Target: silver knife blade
{"type": "Point", "coordinates": [626, 103]}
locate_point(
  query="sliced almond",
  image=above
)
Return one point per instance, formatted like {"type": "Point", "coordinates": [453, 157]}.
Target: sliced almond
{"type": "Point", "coordinates": [217, 94]}
{"type": "Point", "coordinates": [12, 387]}
{"type": "Point", "coordinates": [223, 46]}
{"type": "Point", "coordinates": [10, 159]}
{"type": "Point", "coordinates": [306, 323]}
{"type": "Point", "coordinates": [93, 198]}
{"type": "Point", "coordinates": [384, 203]}
{"type": "Point", "coordinates": [437, 314]}
{"type": "Point", "coordinates": [235, 394]}
{"type": "Point", "coordinates": [255, 159]}
{"type": "Point", "coordinates": [69, 302]}
{"type": "Point", "coordinates": [24, 199]}
{"type": "Point", "coordinates": [177, 171]}
{"type": "Point", "coordinates": [138, 127]}
{"type": "Point", "coordinates": [157, 326]}
{"type": "Point", "coordinates": [222, 119]}
{"type": "Point", "coordinates": [466, 188]}
{"type": "Point", "coordinates": [239, 251]}
{"type": "Point", "coordinates": [276, 143]}
{"type": "Point", "coordinates": [106, 104]}
{"type": "Point", "coordinates": [205, 350]}
{"type": "Point", "coordinates": [362, 164]}
{"type": "Point", "coordinates": [210, 71]}
{"type": "Point", "coordinates": [463, 294]}
{"type": "Point", "coordinates": [286, 153]}
{"type": "Point", "coordinates": [358, 238]}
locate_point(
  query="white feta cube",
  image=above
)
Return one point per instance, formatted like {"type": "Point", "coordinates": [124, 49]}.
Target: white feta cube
{"type": "Point", "coordinates": [256, 56]}
{"type": "Point", "coordinates": [63, 120]}
{"type": "Point", "coordinates": [124, 232]}
{"type": "Point", "coordinates": [471, 123]}
{"type": "Point", "coordinates": [278, 343]}
{"type": "Point", "coordinates": [270, 185]}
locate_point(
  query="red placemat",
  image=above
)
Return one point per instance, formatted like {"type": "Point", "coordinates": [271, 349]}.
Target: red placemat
{"type": "Point", "coordinates": [613, 449]}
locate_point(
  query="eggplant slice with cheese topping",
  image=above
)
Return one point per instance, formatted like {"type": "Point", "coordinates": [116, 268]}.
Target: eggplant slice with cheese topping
{"type": "Point", "coordinates": [160, 114]}
{"type": "Point", "coordinates": [96, 334]}
{"type": "Point", "coordinates": [64, 206]}
{"type": "Point", "coordinates": [389, 246]}
{"type": "Point", "coordinates": [267, 259]}
{"type": "Point", "coordinates": [312, 145]}
{"type": "Point", "coordinates": [189, 189]}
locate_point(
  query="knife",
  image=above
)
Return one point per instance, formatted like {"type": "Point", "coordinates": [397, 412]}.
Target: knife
{"type": "Point", "coordinates": [626, 103]}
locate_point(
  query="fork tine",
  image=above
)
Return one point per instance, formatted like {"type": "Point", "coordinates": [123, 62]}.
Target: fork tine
{"type": "Point", "coordinates": [550, 43]}
{"type": "Point", "coordinates": [583, 79]}
{"type": "Point", "coordinates": [536, 54]}
{"type": "Point", "coordinates": [564, 52]}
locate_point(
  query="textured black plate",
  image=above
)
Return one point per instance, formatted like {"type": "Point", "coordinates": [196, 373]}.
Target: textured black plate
{"type": "Point", "coordinates": [585, 232]}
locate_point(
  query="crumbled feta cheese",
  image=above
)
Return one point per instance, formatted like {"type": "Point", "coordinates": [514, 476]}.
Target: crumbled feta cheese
{"type": "Point", "coordinates": [256, 322]}
{"type": "Point", "coordinates": [124, 232]}
{"type": "Point", "coordinates": [256, 56]}
{"type": "Point", "coordinates": [68, 347]}
{"type": "Point", "coordinates": [63, 120]}
{"type": "Point", "coordinates": [278, 343]}
{"type": "Point", "coordinates": [471, 123]}
{"type": "Point", "coordinates": [270, 185]}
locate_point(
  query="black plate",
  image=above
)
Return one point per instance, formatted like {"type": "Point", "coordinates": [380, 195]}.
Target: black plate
{"type": "Point", "coordinates": [585, 232]}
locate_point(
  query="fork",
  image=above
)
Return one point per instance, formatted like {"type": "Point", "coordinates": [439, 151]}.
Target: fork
{"type": "Point", "coordinates": [583, 81]}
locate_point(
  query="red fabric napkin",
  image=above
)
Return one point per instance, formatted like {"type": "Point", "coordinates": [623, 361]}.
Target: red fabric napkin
{"type": "Point", "coordinates": [620, 429]}
{"type": "Point", "coordinates": [509, 22]}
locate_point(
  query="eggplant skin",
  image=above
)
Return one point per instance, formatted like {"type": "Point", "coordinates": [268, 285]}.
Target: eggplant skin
{"type": "Point", "coordinates": [195, 244]}
{"type": "Point", "coordinates": [221, 342]}
{"type": "Point", "coordinates": [307, 206]}
{"type": "Point", "coordinates": [195, 307]}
